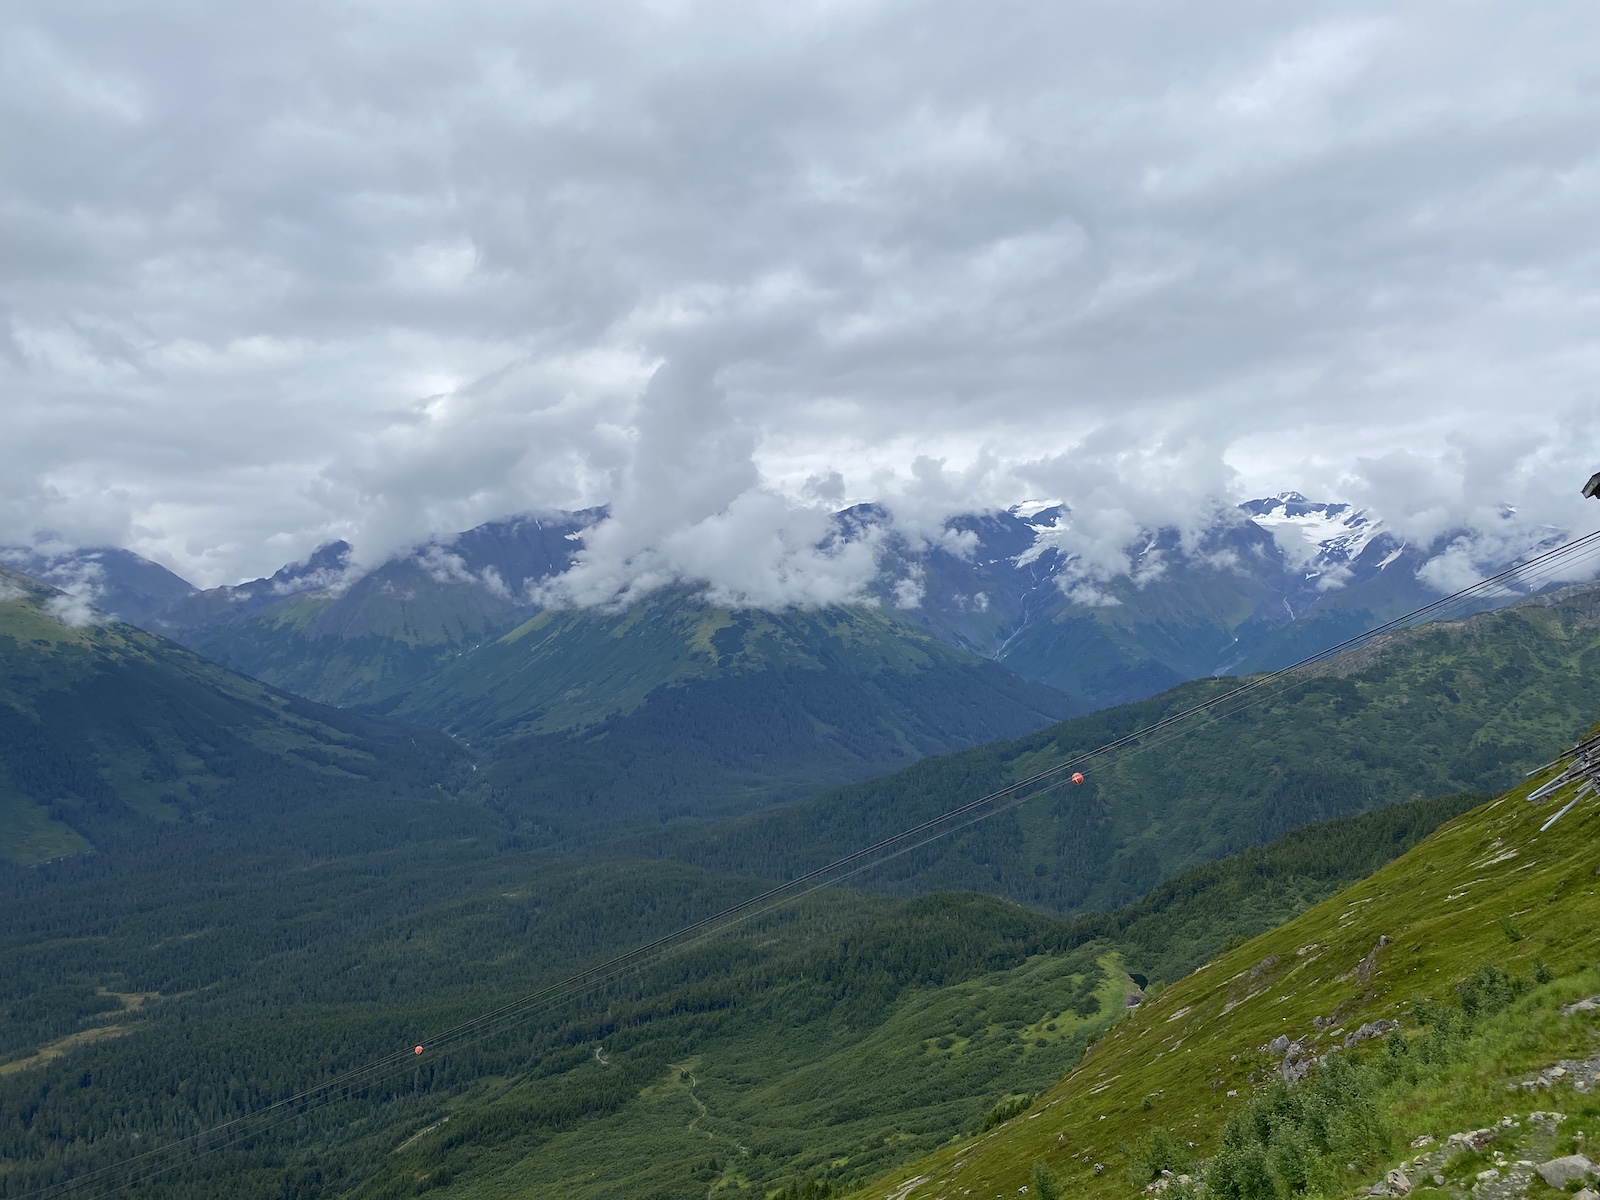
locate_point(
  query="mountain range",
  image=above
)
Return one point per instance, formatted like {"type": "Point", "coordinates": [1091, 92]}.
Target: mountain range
{"type": "Point", "coordinates": [280, 890]}
{"type": "Point", "coordinates": [674, 706]}
{"type": "Point", "coordinates": [1271, 581]}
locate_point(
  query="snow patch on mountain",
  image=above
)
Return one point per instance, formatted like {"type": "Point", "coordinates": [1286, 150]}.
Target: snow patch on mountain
{"type": "Point", "coordinates": [1321, 538]}
{"type": "Point", "coordinates": [1029, 509]}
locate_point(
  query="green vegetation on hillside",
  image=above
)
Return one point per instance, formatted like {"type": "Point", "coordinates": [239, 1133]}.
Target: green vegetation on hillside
{"type": "Point", "coordinates": [675, 708]}
{"type": "Point", "coordinates": [364, 646]}
{"type": "Point", "coordinates": [106, 731]}
{"type": "Point", "coordinates": [1471, 943]}
{"type": "Point", "coordinates": [1446, 708]}
{"type": "Point", "coordinates": [283, 891]}
{"type": "Point", "coordinates": [831, 1041]}
{"type": "Point", "coordinates": [671, 708]}
{"type": "Point", "coordinates": [1189, 920]}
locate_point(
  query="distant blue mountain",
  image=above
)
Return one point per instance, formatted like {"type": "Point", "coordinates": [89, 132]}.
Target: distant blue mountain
{"type": "Point", "coordinates": [116, 582]}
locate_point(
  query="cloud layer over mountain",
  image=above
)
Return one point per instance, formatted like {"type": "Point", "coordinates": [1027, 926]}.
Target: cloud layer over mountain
{"type": "Point", "coordinates": [281, 274]}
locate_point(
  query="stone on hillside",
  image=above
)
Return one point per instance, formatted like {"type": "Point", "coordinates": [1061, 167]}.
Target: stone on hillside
{"type": "Point", "coordinates": [1586, 1194]}
{"type": "Point", "coordinates": [1277, 1045]}
{"type": "Point", "coordinates": [1589, 1004]}
{"type": "Point", "coordinates": [1559, 1172]}
{"type": "Point", "coordinates": [1474, 1139]}
{"type": "Point", "coordinates": [1397, 1182]}
{"type": "Point", "coordinates": [1372, 1029]}
{"type": "Point", "coordinates": [1425, 1140]}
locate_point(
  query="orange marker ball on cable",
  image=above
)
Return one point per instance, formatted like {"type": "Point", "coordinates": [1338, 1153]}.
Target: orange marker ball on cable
{"type": "Point", "coordinates": [1077, 777]}
{"type": "Point", "coordinates": [418, 1050]}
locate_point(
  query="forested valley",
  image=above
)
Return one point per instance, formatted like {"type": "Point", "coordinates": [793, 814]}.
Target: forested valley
{"type": "Point", "coordinates": [827, 1041]}
{"type": "Point", "coordinates": [221, 896]}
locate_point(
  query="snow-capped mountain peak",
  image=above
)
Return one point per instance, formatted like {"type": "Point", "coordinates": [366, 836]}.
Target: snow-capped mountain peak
{"type": "Point", "coordinates": [1312, 533]}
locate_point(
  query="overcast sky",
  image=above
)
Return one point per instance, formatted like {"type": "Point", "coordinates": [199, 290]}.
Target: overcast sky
{"type": "Point", "coordinates": [276, 274]}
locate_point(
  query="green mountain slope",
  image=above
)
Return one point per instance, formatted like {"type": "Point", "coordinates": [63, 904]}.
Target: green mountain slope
{"type": "Point", "coordinates": [671, 708]}
{"type": "Point", "coordinates": [674, 707]}
{"type": "Point", "coordinates": [1472, 943]}
{"type": "Point", "coordinates": [571, 668]}
{"type": "Point", "coordinates": [832, 1041]}
{"type": "Point", "coordinates": [103, 724]}
{"type": "Point", "coordinates": [323, 631]}
{"type": "Point", "coordinates": [1439, 709]}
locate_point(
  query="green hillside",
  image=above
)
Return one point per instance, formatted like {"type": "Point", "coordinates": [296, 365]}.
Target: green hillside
{"type": "Point", "coordinates": [105, 728]}
{"type": "Point", "coordinates": [361, 645]}
{"type": "Point", "coordinates": [571, 668]}
{"type": "Point", "coordinates": [671, 708]}
{"type": "Point", "coordinates": [1475, 942]}
{"type": "Point", "coordinates": [816, 1098]}
{"type": "Point", "coordinates": [674, 707]}
{"type": "Point", "coordinates": [1443, 708]}
{"type": "Point", "coordinates": [831, 1041]}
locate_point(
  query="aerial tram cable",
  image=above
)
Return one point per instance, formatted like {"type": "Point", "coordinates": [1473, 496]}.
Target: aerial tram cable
{"type": "Point", "coordinates": [159, 1160]}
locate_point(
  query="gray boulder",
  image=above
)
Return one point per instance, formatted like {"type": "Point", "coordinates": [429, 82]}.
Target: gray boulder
{"type": "Point", "coordinates": [1372, 1029]}
{"type": "Point", "coordinates": [1559, 1172]}
{"type": "Point", "coordinates": [1473, 1139]}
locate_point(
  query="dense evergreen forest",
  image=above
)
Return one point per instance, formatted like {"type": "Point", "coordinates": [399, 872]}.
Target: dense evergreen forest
{"type": "Point", "coordinates": [829, 1041]}
{"type": "Point", "coordinates": [109, 736]}
{"type": "Point", "coordinates": [248, 893]}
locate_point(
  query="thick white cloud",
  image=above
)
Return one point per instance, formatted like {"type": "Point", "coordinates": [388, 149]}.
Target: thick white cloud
{"type": "Point", "coordinates": [274, 275]}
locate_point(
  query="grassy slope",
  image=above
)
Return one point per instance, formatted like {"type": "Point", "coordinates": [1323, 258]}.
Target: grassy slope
{"type": "Point", "coordinates": [1441, 709]}
{"type": "Point", "coordinates": [1444, 909]}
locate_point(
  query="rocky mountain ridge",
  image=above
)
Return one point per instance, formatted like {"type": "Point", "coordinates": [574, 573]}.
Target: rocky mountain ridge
{"type": "Point", "coordinates": [1266, 583]}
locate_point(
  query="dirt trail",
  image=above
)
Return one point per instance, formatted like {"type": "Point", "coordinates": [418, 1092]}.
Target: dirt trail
{"type": "Point", "coordinates": [702, 1112]}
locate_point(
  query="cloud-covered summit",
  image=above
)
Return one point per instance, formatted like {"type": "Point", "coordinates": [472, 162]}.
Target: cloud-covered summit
{"type": "Point", "coordinates": [274, 278]}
